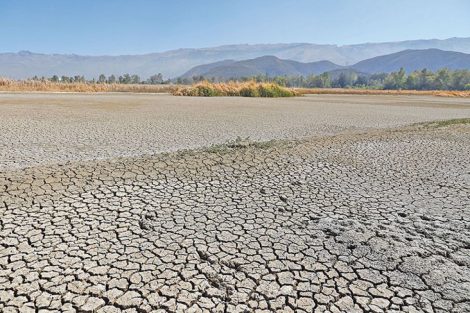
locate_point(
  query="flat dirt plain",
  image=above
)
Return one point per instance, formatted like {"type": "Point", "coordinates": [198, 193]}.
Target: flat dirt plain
{"type": "Point", "coordinates": [351, 210]}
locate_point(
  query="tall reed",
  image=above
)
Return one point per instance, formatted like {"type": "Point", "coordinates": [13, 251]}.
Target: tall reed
{"type": "Point", "coordinates": [48, 86]}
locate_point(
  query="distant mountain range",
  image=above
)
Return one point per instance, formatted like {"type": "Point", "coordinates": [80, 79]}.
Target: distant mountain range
{"type": "Point", "coordinates": [410, 60]}
{"type": "Point", "coordinates": [174, 63]}
{"type": "Point", "coordinates": [266, 65]}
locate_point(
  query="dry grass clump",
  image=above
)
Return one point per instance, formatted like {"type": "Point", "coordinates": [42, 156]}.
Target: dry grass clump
{"type": "Point", "coordinates": [451, 93]}
{"type": "Point", "coordinates": [347, 91]}
{"type": "Point", "coordinates": [233, 89]}
{"type": "Point", "coordinates": [445, 123]}
{"type": "Point", "coordinates": [48, 86]}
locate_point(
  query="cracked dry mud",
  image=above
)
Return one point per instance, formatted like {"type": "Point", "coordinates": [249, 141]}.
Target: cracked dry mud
{"type": "Point", "coordinates": [40, 129]}
{"type": "Point", "coordinates": [374, 222]}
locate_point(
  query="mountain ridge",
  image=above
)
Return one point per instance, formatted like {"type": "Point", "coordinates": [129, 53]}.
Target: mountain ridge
{"type": "Point", "coordinates": [265, 65]}
{"type": "Point", "coordinates": [174, 63]}
{"type": "Point", "coordinates": [410, 60]}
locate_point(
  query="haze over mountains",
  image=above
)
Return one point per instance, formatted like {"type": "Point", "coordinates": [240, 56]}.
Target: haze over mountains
{"type": "Point", "coordinates": [176, 62]}
{"type": "Point", "coordinates": [266, 65]}
{"type": "Point", "coordinates": [410, 60]}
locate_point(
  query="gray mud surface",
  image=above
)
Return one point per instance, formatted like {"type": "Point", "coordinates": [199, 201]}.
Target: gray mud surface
{"type": "Point", "coordinates": [55, 128]}
{"type": "Point", "coordinates": [359, 220]}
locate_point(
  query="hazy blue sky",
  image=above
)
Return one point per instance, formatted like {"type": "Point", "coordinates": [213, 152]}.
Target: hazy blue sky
{"type": "Point", "coordinates": [141, 26]}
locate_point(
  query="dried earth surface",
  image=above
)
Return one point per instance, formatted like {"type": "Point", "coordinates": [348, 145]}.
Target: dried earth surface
{"type": "Point", "coordinates": [55, 128]}
{"type": "Point", "coordinates": [350, 218]}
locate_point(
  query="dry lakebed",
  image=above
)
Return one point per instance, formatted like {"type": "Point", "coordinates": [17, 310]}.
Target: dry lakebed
{"type": "Point", "coordinates": [150, 203]}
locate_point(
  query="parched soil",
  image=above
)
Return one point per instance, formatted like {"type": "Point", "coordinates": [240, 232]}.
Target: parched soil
{"type": "Point", "coordinates": [55, 128]}
{"type": "Point", "coordinates": [358, 220]}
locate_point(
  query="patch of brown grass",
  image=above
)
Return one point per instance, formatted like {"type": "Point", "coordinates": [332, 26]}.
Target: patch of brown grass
{"type": "Point", "coordinates": [237, 89]}
{"type": "Point", "coordinates": [47, 86]}
{"type": "Point", "coordinates": [345, 91]}
{"type": "Point", "coordinates": [445, 123]}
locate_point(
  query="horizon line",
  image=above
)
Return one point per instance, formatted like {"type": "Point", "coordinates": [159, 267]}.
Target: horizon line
{"type": "Point", "coordinates": [228, 45]}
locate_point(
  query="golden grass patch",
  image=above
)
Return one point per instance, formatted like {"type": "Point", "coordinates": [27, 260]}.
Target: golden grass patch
{"type": "Point", "coordinates": [240, 89]}
{"type": "Point", "coordinates": [48, 86]}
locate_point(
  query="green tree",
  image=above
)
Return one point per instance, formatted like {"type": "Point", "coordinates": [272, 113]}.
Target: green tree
{"type": "Point", "coordinates": [442, 79]}
{"type": "Point", "coordinates": [324, 80]}
{"type": "Point", "coordinates": [396, 80]}
{"type": "Point", "coordinates": [425, 80]}
{"type": "Point", "coordinates": [155, 79]}
{"type": "Point", "coordinates": [460, 79]}
{"type": "Point", "coordinates": [125, 79]}
{"type": "Point", "coordinates": [361, 81]}
{"type": "Point", "coordinates": [135, 79]}
{"type": "Point", "coordinates": [345, 79]}
{"type": "Point", "coordinates": [102, 79]}
{"type": "Point", "coordinates": [78, 79]}
{"type": "Point", "coordinates": [280, 80]}
{"type": "Point", "coordinates": [412, 81]}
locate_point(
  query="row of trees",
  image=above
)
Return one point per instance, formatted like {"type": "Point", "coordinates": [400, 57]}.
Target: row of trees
{"type": "Point", "coordinates": [443, 79]}
{"type": "Point", "coordinates": [103, 79]}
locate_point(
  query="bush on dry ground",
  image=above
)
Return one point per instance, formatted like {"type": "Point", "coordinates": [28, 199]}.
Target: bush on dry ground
{"type": "Point", "coordinates": [245, 89]}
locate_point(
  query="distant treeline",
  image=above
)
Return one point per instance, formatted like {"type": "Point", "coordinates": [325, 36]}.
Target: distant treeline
{"type": "Point", "coordinates": [103, 79]}
{"type": "Point", "coordinates": [443, 79]}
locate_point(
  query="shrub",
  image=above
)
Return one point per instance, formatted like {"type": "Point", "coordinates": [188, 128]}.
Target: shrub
{"type": "Point", "coordinates": [207, 91]}
{"type": "Point", "coordinates": [274, 91]}
{"type": "Point", "coordinates": [245, 89]}
{"type": "Point", "coordinates": [249, 91]}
